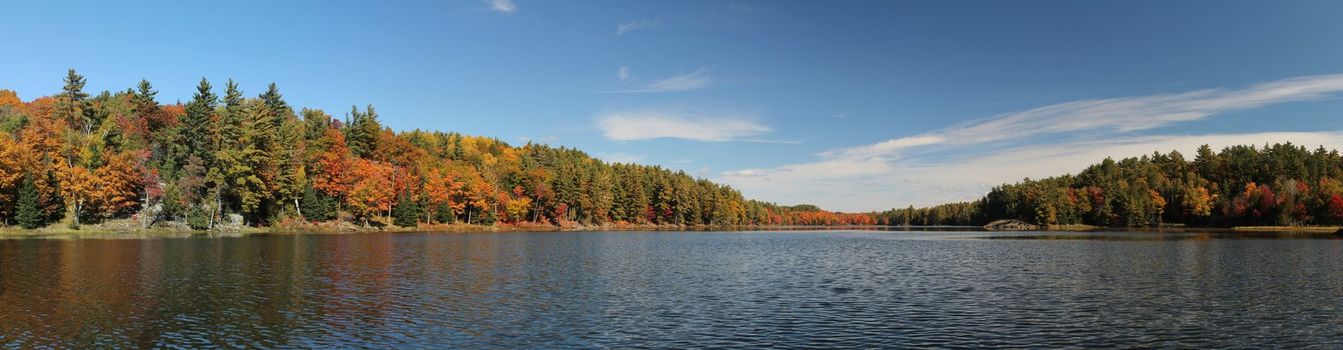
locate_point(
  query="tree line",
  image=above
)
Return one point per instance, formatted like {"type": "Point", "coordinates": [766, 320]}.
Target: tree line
{"type": "Point", "coordinates": [79, 159]}
{"type": "Point", "coordinates": [1279, 184]}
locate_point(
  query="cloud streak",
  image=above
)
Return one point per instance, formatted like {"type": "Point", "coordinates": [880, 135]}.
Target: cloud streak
{"type": "Point", "coordinates": [631, 26]}
{"type": "Point", "coordinates": [695, 80]}
{"type": "Point", "coordinates": [864, 184]}
{"type": "Point", "coordinates": [657, 124]}
{"type": "Point", "coordinates": [505, 6]}
{"type": "Point", "coordinates": [1034, 143]}
{"type": "Point", "coordinates": [1114, 115]}
{"type": "Point", "coordinates": [621, 157]}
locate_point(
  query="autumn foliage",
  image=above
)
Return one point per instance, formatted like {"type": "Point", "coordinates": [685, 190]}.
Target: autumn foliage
{"type": "Point", "coordinates": [89, 158]}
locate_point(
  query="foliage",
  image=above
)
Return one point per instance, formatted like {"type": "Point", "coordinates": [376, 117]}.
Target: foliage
{"type": "Point", "coordinates": [115, 154]}
{"type": "Point", "coordinates": [1279, 184]}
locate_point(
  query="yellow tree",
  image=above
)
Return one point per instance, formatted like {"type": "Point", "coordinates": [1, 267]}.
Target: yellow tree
{"type": "Point", "coordinates": [11, 172]}
{"type": "Point", "coordinates": [331, 164]}
{"type": "Point", "coordinates": [10, 99]}
{"type": "Point", "coordinates": [78, 185]}
{"type": "Point", "coordinates": [118, 183]}
{"type": "Point", "coordinates": [373, 190]}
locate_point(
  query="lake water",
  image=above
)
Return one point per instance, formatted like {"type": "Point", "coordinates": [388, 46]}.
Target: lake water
{"type": "Point", "coordinates": [861, 289]}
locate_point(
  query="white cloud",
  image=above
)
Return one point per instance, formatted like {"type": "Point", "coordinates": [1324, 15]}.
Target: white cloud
{"type": "Point", "coordinates": [874, 183]}
{"type": "Point", "coordinates": [1125, 114]}
{"type": "Point", "coordinates": [698, 79]}
{"type": "Point", "coordinates": [630, 26]}
{"type": "Point", "coordinates": [888, 146]}
{"type": "Point", "coordinates": [654, 124]}
{"type": "Point", "coordinates": [887, 174]}
{"type": "Point", "coordinates": [744, 173]}
{"type": "Point", "coordinates": [526, 139]}
{"type": "Point", "coordinates": [505, 6]}
{"type": "Point", "coordinates": [620, 157]}
{"type": "Point", "coordinates": [623, 73]}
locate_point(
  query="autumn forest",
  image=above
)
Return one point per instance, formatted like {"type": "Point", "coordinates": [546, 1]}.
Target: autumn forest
{"type": "Point", "coordinates": [226, 159]}
{"type": "Point", "coordinates": [80, 159]}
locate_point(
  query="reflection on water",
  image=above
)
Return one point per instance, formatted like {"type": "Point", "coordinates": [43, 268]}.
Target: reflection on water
{"type": "Point", "coordinates": [583, 290]}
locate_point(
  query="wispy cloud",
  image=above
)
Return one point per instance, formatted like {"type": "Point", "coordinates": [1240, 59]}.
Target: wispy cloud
{"type": "Point", "coordinates": [505, 6]}
{"type": "Point", "coordinates": [526, 139]}
{"type": "Point", "coordinates": [863, 184]}
{"type": "Point", "coordinates": [623, 73]}
{"type": "Point", "coordinates": [1120, 115]}
{"type": "Point", "coordinates": [695, 80]}
{"type": "Point", "coordinates": [1045, 141]}
{"type": "Point", "coordinates": [630, 26]}
{"type": "Point", "coordinates": [655, 124]}
{"type": "Point", "coordinates": [744, 173]}
{"type": "Point", "coordinates": [620, 157]}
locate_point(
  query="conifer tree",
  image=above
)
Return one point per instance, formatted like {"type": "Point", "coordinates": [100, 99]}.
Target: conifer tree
{"type": "Point", "coordinates": [361, 131]}
{"type": "Point", "coordinates": [72, 104]}
{"type": "Point", "coordinates": [29, 212]}
{"type": "Point", "coordinates": [406, 212]}
{"type": "Point", "coordinates": [317, 206]}
{"type": "Point", "coordinates": [195, 133]}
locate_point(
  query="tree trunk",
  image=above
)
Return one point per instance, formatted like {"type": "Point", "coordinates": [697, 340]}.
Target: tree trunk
{"type": "Point", "coordinates": [218, 209]}
{"type": "Point", "coordinates": [79, 204]}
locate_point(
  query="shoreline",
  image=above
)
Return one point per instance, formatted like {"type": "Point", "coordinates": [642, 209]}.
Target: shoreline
{"type": "Point", "coordinates": [333, 228]}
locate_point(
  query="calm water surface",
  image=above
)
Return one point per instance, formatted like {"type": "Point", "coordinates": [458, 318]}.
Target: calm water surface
{"type": "Point", "coordinates": [659, 290]}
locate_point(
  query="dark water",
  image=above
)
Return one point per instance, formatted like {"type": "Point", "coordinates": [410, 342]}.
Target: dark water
{"type": "Point", "coordinates": [634, 290]}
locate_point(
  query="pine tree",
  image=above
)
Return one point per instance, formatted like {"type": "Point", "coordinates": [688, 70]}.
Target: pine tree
{"type": "Point", "coordinates": [195, 131]}
{"type": "Point", "coordinates": [361, 131]}
{"type": "Point", "coordinates": [73, 102]}
{"type": "Point", "coordinates": [406, 212]}
{"type": "Point", "coordinates": [445, 215]}
{"type": "Point", "coordinates": [279, 109]}
{"type": "Point", "coordinates": [29, 212]}
{"type": "Point", "coordinates": [316, 206]}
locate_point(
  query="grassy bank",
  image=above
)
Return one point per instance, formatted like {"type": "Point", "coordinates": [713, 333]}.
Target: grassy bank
{"type": "Point", "coordinates": [125, 230]}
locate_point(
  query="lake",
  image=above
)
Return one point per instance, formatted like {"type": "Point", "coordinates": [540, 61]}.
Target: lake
{"type": "Point", "coordinates": [857, 289]}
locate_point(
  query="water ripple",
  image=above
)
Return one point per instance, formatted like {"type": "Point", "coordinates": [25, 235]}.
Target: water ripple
{"type": "Point", "coordinates": [671, 290]}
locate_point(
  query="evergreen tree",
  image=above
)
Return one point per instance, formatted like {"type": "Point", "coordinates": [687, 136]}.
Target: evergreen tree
{"type": "Point", "coordinates": [29, 212]}
{"type": "Point", "coordinates": [317, 206]}
{"type": "Point", "coordinates": [361, 131]}
{"type": "Point", "coordinates": [72, 103]}
{"type": "Point", "coordinates": [279, 109]}
{"type": "Point", "coordinates": [407, 212]}
{"type": "Point", "coordinates": [195, 133]}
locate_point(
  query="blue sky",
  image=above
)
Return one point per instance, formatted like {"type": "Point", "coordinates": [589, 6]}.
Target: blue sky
{"type": "Point", "coordinates": [852, 105]}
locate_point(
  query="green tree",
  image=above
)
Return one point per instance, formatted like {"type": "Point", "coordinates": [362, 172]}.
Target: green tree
{"type": "Point", "coordinates": [361, 131]}
{"type": "Point", "coordinates": [317, 206]}
{"type": "Point", "coordinates": [407, 212]}
{"type": "Point", "coordinates": [29, 212]}
{"type": "Point", "coordinates": [195, 134]}
{"type": "Point", "coordinates": [72, 103]}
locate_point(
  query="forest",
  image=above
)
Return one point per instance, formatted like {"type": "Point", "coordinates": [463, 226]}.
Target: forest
{"type": "Point", "coordinates": [79, 159]}
{"type": "Point", "coordinates": [76, 159]}
{"type": "Point", "coordinates": [1274, 185]}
